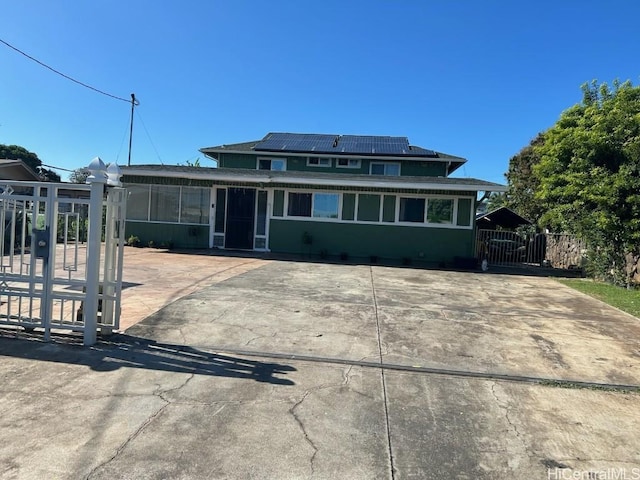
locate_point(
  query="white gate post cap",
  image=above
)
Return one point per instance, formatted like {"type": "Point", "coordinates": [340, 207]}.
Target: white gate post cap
{"type": "Point", "coordinates": [97, 171]}
{"type": "Point", "coordinates": [114, 175]}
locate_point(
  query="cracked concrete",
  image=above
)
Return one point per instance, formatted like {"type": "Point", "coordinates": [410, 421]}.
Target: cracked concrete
{"type": "Point", "coordinates": [166, 401]}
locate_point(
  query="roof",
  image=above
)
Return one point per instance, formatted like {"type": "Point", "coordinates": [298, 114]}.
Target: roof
{"type": "Point", "coordinates": [17, 170]}
{"type": "Point", "coordinates": [501, 217]}
{"type": "Point", "coordinates": [266, 177]}
{"type": "Point", "coordinates": [304, 144]}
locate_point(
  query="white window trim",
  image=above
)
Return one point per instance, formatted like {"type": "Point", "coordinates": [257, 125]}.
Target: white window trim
{"type": "Point", "coordinates": [266, 226]}
{"type": "Point", "coordinates": [380, 222]}
{"type": "Point", "coordinates": [357, 165]}
{"type": "Point", "coordinates": [179, 222]}
{"type": "Point", "coordinates": [371, 164]}
{"type": "Point", "coordinates": [426, 207]}
{"type": "Point", "coordinates": [309, 164]}
{"type": "Point", "coordinates": [312, 218]}
{"type": "Point", "coordinates": [271, 159]}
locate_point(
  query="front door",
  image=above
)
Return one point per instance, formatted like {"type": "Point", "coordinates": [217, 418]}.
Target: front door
{"type": "Point", "coordinates": [241, 209]}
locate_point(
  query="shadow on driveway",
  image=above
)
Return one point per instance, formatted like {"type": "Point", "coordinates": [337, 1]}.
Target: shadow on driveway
{"type": "Point", "coordinates": [134, 352]}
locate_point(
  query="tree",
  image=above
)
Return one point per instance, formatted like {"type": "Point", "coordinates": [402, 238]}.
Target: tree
{"type": "Point", "coordinates": [496, 200]}
{"type": "Point", "coordinates": [79, 175]}
{"type": "Point", "coordinates": [16, 152]}
{"type": "Point", "coordinates": [522, 183]}
{"type": "Point", "coordinates": [586, 176]}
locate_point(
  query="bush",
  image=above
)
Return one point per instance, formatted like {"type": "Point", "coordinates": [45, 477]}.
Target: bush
{"type": "Point", "coordinates": [133, 241]}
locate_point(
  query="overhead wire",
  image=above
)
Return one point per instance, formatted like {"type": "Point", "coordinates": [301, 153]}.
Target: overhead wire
{"type": "Point", "coordinates": [64, 75]}
{"type": "Point", "coordinates": [149, 136]}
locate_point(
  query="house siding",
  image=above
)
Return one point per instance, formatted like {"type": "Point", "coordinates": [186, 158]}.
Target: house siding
{"type": "Point", "coordinates": [362, 241]}
{"type": "Point", "coordinates": [299, 164]}
{"type": "Point", "coordinates": [168, 234]}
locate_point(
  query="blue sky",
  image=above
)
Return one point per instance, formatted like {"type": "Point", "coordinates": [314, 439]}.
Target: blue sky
{"type": "Point", "coordinates": [477, 79]}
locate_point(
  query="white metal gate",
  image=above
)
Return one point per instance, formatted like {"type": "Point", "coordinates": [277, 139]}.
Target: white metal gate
{"type": "Point", "coordinates": [61, 250]}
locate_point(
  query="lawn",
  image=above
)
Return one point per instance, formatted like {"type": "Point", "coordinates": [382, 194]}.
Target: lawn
{"type": "Point", "coordinates": [626, 300]}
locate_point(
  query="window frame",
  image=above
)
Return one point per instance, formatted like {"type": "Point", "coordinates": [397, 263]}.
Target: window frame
{"type": "Point", "coordinates": [386, 164]}
{"type": "Point", "coordinates": [149, 187]}
{"type": "Point", "coordinates": [349, 160]}
{"type": "Point", "coordinates": [425, 223]}
{"type": "Point", "coordinates": [313, 204]}
{"type": "Point", "coordinates": [271, 160]}
{"type": "Point", "coordinates": [320, 159]}
{"type": "Point", "coordinates": [396, 219]}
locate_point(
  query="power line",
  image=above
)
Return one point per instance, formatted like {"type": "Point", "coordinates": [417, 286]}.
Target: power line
{"type": "Point", "coordinates": [62, 74]}
{"type": "Point", "coordinates": [149, 136]}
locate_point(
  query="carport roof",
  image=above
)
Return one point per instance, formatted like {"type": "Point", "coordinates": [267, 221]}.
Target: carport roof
{"type": "Point", "coordinates": [267, 177]}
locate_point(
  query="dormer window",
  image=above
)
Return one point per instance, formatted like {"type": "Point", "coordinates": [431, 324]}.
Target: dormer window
{"type": "Point", "coordinates": [318, 162]}
{"type": "Point", "coordinates": [384, 168]}
{"type": "Point", "coordinates": [277, 164]}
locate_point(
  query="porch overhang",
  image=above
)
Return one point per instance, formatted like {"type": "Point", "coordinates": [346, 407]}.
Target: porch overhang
{"type": "Point", "coordinates": [265, 177]}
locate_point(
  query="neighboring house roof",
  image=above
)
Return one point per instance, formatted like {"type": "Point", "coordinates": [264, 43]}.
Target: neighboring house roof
{"type": "Point", "coordinates": [267, 177]}
{"type": "Point", "coordinates": [501, 217]}
{"type": "Point", "coordinates": [17, 170]}
{"type": "Point", "coordinates": [304, 144]}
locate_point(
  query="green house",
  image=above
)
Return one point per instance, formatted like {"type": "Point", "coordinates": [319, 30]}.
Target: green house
{"type": "Point", "coordinates": [361, 197]}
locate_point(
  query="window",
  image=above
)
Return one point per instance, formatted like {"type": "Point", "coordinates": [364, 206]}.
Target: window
{"type": "Point", "coordinates": [261, 214]}
{"type": "Point", "coordinates": [348, 163]}
{"type": "Point", "coordinates": [276, 164]}
{"type": "Point", "coordinates": [165, 203]}
{"type": "Point", "coordinates": [221, 208]}
{"type": "Point", "coordinates": [316, 205]}
{"type": "Point", "coordinates": [299, 205]}
{"type": "Point", "coordinates": [391, 169]}
{"type": "Point", "coordinates": [138, 202]}
{"type": "Point", "coordinates": [412, 210]}
{"type": "Point", "coordinates": [440, 210]}
{"type": "Point", "coordinates": [318, 162]}
{"type": "Point", "coordinates": [325, 205]}
{"type": "Point", "coordinates": [194, 206]}
{"type": "Point", "coordinates": [168, 203]}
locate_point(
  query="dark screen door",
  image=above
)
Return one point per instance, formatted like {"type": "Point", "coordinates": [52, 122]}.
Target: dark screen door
{"type": "Point", "coordinates": [241, 209]}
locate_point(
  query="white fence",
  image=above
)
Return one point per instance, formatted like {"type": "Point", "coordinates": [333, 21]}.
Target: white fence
{"type": "Point", "coordinates": [61, 251]}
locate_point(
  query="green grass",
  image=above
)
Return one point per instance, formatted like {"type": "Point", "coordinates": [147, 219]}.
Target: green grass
{"type": "Point", "coordinates": [626, 300]}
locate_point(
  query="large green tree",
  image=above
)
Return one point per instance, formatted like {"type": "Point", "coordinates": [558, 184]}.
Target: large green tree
{"type": "Point", "coordinates": [586, 176]}
{"type": "Point", "coordinates": [16, 152]}
{"type": "Point", "coordinates": [522, 183]}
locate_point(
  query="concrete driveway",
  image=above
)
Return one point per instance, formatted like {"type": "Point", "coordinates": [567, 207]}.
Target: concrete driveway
{"type": "Point", "coordinates": [302, 370]}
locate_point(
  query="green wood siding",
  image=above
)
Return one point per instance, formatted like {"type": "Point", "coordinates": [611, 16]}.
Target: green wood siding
{"type": "Point", "coordinates": [348, 206]}
{"type": "Point", "coordinates": [238, 160]}
{"type": "Point", "coordinates": [392, 242]}
{"type": "Point", "coordinates": [278, 203]}
{"type": "Point", "coordinates": [299, 164]}
{"type": "Point", "coordinates": [368, 207]}
{"type": "Point", "coordinates": [423, 169]}
{"type": "Point", "coordinates": [389, 208]}
{"type": "Point", "coordinates": [464, 212]}
{"type": "Point", "coordinates": [179, 236]}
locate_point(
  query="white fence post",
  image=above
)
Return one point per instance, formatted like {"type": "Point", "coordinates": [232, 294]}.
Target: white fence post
{"type": "Point", "coordinates": [97, 180]}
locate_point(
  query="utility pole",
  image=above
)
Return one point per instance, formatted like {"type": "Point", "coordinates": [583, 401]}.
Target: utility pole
{"type": "Point", "coordinates": [134, 102]}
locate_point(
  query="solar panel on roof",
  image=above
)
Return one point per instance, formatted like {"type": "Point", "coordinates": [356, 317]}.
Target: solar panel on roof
{"type": "Point", "coordinates": [345, 144]}
{"type": "Point", "coordinates": [366, 144]}
{"type": "Point", "coordinates": [297, 142]}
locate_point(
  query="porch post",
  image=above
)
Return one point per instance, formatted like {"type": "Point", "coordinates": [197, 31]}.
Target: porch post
{"type": "Point", "coordinates": [97, 180]}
